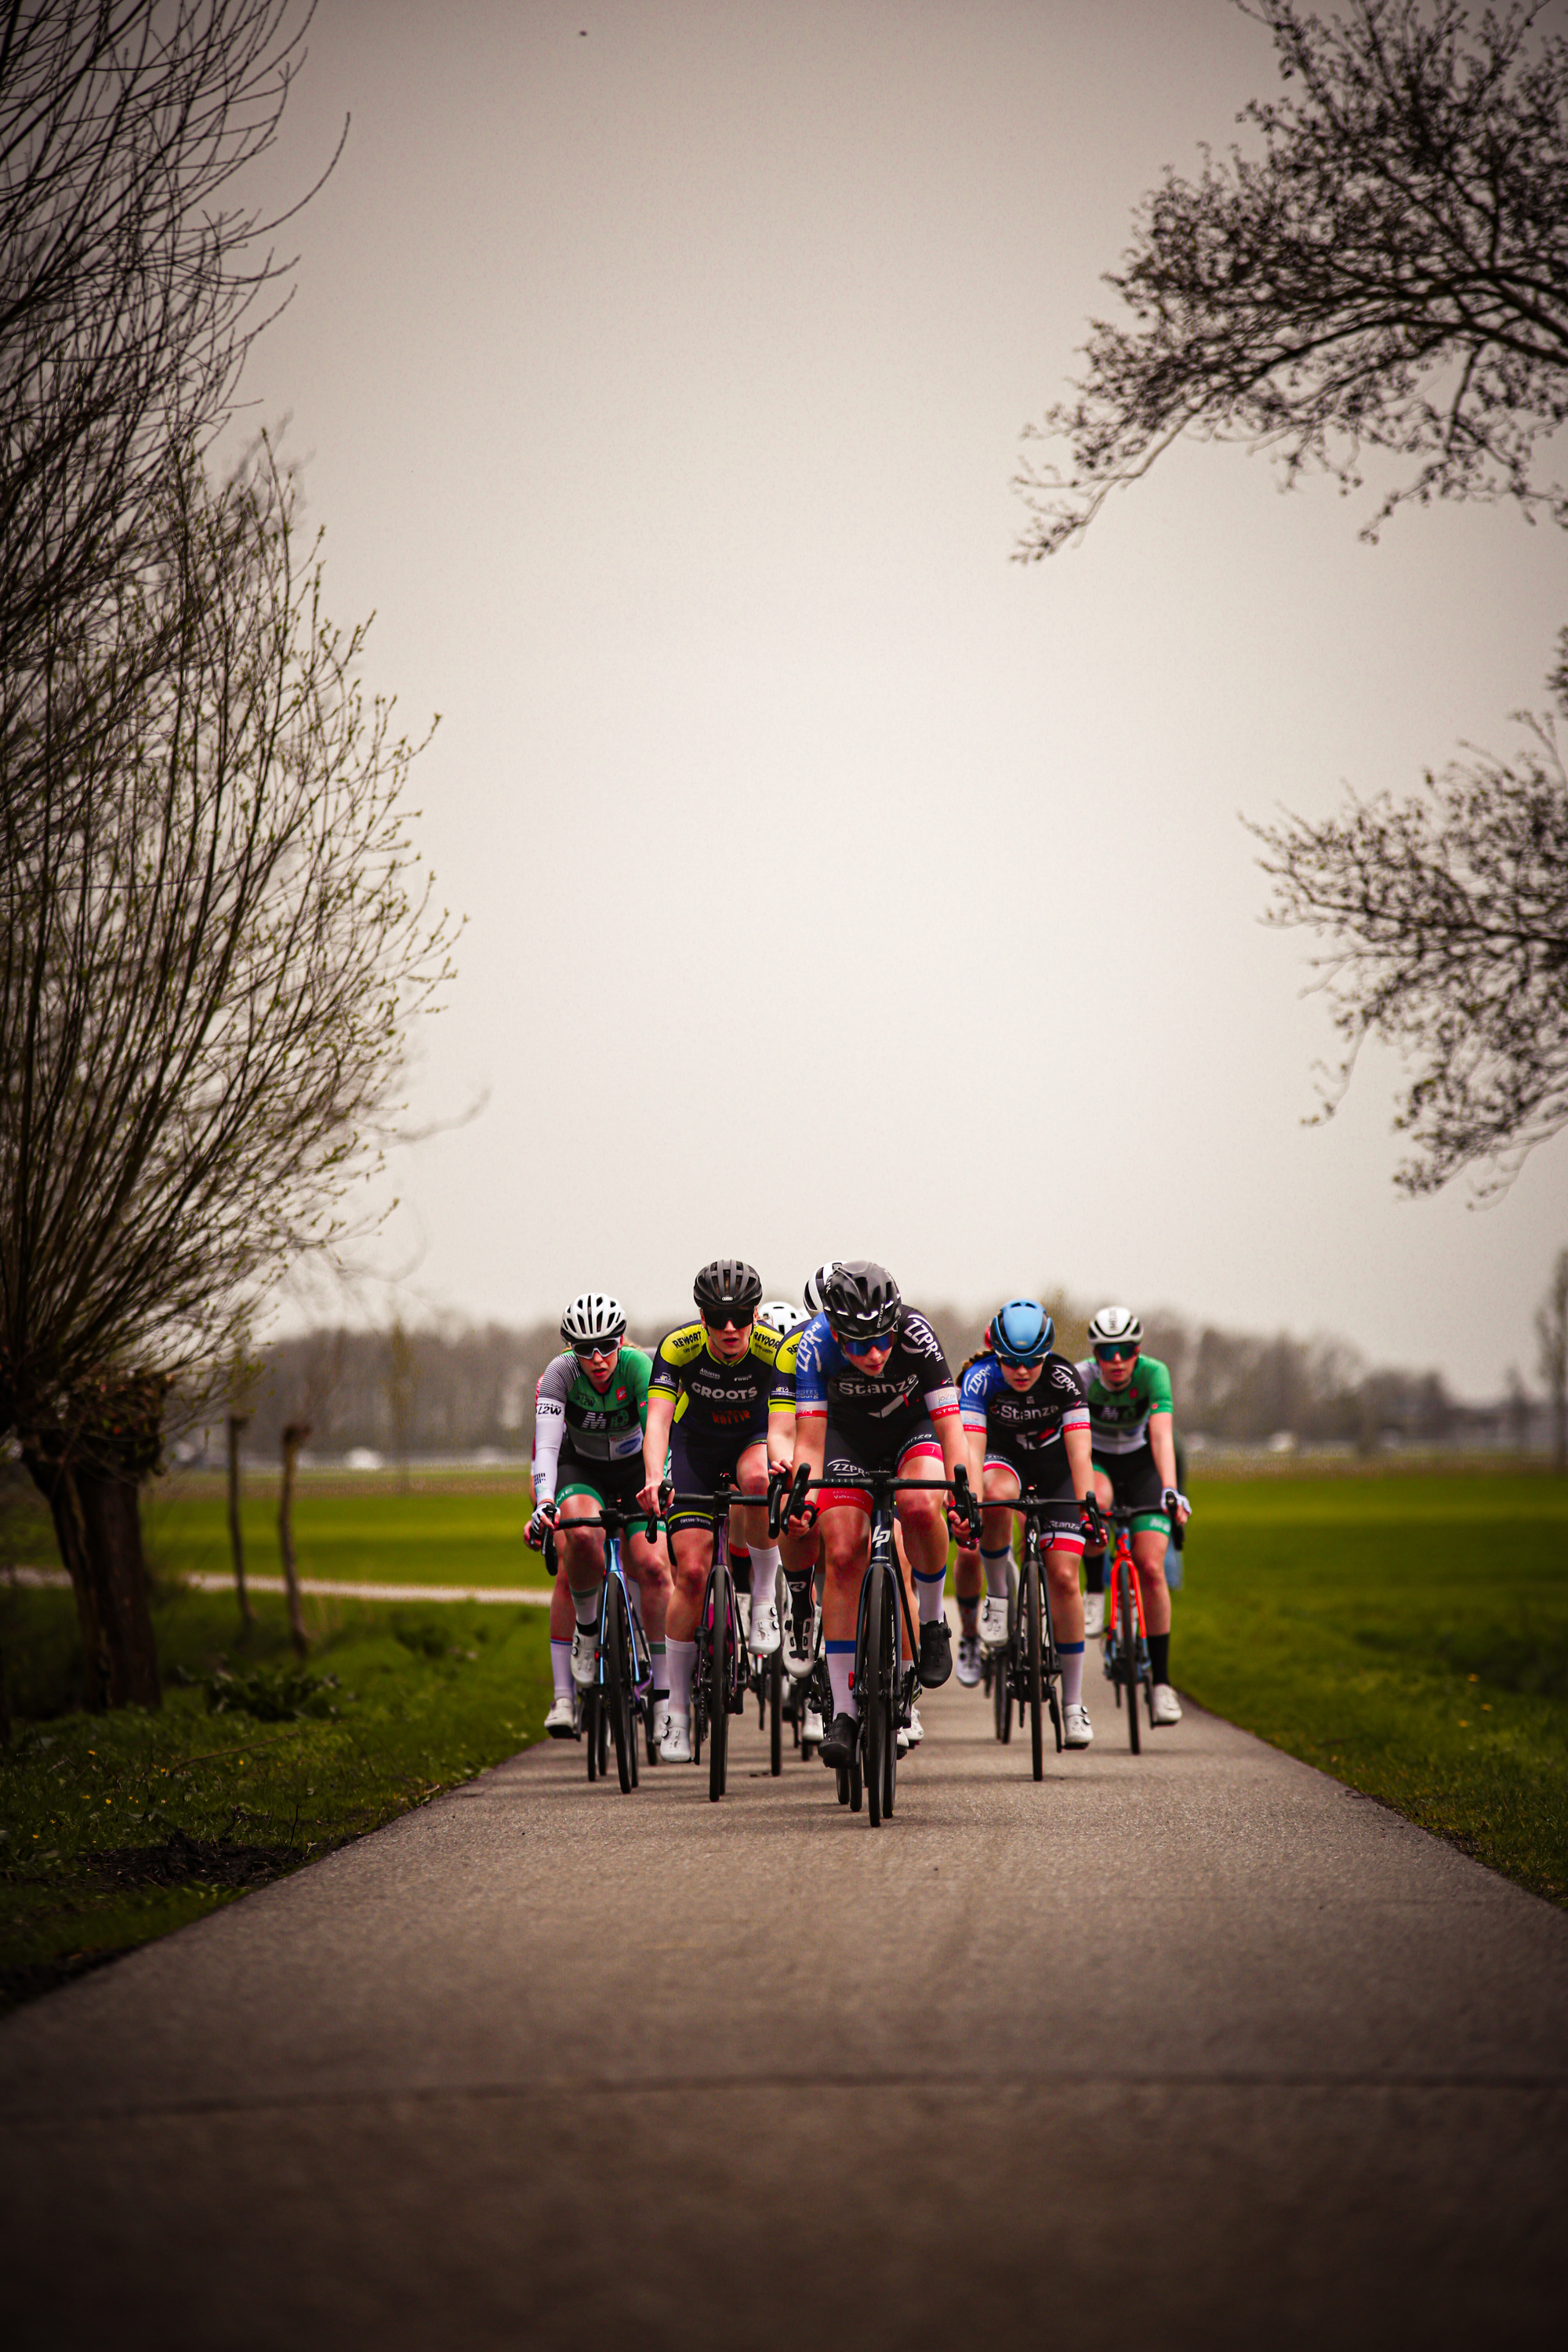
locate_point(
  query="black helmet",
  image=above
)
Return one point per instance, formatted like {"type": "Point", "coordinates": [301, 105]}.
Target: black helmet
{"type": "Point", "coordinates": [862, 1302]}
{"type": "Point", "coordinates": [728, 1287]}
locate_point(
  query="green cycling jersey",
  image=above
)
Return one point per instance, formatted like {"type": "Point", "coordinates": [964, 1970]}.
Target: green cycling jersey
{"type": "Point", "coordinates": [1118, 1418]}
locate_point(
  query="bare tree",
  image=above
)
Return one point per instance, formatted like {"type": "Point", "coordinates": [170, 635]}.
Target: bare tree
{"type": "Point", "coordinates": [132, 279]}
{"type": "Point", "coordinates": [1552, 1330]}
{"type": "Point", "coordinates": [1447, 916]}
{"type": "Point", "coordinates": [208, 948]}
{"type": "Point", "coordinates": [1389, 275]}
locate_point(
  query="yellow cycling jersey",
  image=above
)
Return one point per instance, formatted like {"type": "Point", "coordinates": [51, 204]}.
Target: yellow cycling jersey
{"type": "Point", "coordinates": [714, 1399]}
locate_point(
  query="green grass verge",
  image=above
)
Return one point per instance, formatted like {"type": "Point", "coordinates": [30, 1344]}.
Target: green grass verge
{"type": "Point", "coordinates": [118, 1828]}
{"type": "Point", "coordinates": [1408, 1636]}
{"type": "Point", "coordinates": [372, 1534]}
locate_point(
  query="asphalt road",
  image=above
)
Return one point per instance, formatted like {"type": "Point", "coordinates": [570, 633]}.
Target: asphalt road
{"type": "Point", "coordinates": [1193, 2050]}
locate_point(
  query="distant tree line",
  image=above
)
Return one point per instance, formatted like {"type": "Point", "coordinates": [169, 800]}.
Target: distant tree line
{"type": "Point", "coordinates": [450, 1388]}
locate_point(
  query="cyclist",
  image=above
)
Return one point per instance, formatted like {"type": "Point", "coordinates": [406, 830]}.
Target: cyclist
{"type": "Point", "coordinates": [873, 1391]}
{"type": "Point", "coordinates": [968, 1577]}
{"type": "Point", "coordinates": [799, 1550]}
{"type": "Point", "coordinates": [1026, 1419]}
{"type": "Point", "coordinates": [589, 1409]}
{"type": "Point", "coordinates": [707, 1405]}
{"type": "Point", "coordinates": [1131, 1427]}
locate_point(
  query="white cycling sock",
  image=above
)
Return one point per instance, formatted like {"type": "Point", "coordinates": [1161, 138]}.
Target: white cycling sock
{"type": "Point", "coordinates": [1071, 1656]}
{"type": "Point", "coordinates": [661, 1670]}
{"type": "Point", "coordinates": [680, 1657]}
{"type": "Point", "coordinates": [765, 1571]}
{"type": "Point", "coordinates": [994, 1563]}
{"type": "Point", "coordinates": [586, 1600]}
{"type": "Point", "coordinates": [841, 1673]}
{"type": "Point", "coordinates": [560, 1667]}
{"type": "Point", "coordinates": [928, 1595]}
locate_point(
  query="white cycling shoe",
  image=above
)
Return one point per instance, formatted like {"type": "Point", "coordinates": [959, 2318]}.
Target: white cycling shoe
{"type": "Point", "coordinates": [585, 1657]}
{"type": "Point", "coordinates": [763, 1637]}
{"type": "Point", "coordinates": [1167, 1705]}
{"type": "Point", "coordinates": [993, 1622]}
{"type": "Point", "coordinates": [913, 1736]}
{"type": "Point", "coordinates": [1077, 1729]}
{"type": "Point", "coordinates": [675, 1737]}
{"type": "Point", "coordinates": [968, 1667]}
{"type": "Point", "coordinates": [561, 1722]}
{"type": "Point", "coordinates": [812, 1728]}
{"type": "Point", "coordinates": [1094, 1615]}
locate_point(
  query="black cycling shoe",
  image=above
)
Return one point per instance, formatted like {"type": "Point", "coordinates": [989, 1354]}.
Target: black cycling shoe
{"type": "Point", "coordinates": [842, 1739]}
{"type": "Point", "coordinates": [936, 1652]}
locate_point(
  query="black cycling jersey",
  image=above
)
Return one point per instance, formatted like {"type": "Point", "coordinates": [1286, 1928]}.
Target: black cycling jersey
{"type": "Point", "coordinates": [1025, 1426]}
{"type": "Point", "coordinates": [716, 1403]}
{"type": "Point", "coordinates": [914, 1380]}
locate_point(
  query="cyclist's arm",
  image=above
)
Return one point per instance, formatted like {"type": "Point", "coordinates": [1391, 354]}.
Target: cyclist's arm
{"type": "Point", "coordinates": [549, 1429]}
{"type": "Point", "coordinates": [1080, 1460]}
{"type": "Point", "coordinates": [1163, 1446]}
{"type": "Point", "coordinates": [781, 1434]}
{"type": "Point", "coordinates": [810, 1444]}
{"type": "Point", "coordinates": [655, 1445]}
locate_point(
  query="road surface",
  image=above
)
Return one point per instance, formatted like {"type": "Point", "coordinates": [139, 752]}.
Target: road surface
{"type": "Point", "coordinates": [1192, 2050]}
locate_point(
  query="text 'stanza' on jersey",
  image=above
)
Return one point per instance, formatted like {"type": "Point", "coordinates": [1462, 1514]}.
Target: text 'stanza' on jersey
{"type": "Point", "coordinates": [1118, 1418]}
{"type": "Point", "coordinates": [595, 1424]}
{"type": "Point", "coordinates": [1027, 1422]}
{"type": "Point", "coordinates": [713, 1399]}
{"type": "Point", "coordinates": [914, 1376]}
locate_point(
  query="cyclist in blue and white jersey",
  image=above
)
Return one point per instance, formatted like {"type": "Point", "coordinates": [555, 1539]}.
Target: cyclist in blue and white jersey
{"type": "Point", "coordinates": [873, 1391]}
{"type": "Point", "coordinates": [1026, 1419]}
{"type": "Point", "coordinates": [1133, 1435]}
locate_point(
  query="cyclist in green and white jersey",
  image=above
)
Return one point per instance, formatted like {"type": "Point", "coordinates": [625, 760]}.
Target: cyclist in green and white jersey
{"type": "Point", "coordinates": [1132, 1438]}
{"type": "Point", "coordinates": [589, 1412]}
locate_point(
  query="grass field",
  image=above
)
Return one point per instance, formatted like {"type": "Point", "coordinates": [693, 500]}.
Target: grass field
{"type": "Point", "coordinates": [117, 1828]}
{"type": "Point", "coordinates": [1408, 1635]}
{"type": "Point", "coordinates": [464, 1533]}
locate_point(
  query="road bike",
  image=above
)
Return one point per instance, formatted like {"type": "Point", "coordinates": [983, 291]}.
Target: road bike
{"type": "Point", "coordinates": [721, 1674]}
{"type": "Point", "coordinates": [618, 1703]}
{"type": "Point", "coordinates": [767, 1673]}
{"type": "Point", "coordinates": [1029, 1668]}
{"type": "Point", "coordinates": [1126, 1643]}
{"type": "Point", "coordinates": [884, 1680]}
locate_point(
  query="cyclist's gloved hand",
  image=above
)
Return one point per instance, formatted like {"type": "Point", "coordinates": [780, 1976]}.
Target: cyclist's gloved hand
{"type": "Point", "coordinates": [1176, 1503]}
{"type": "Point", "coordinates": [1092, 1524]}
{"type": "Point", "coordinates": [544, 1516]}
{"type": "Point", "coordinates": [959, 1527]}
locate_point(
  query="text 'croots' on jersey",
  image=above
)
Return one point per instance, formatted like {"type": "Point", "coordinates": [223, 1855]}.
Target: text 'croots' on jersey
{"type": "Point", "coordinates": [915, 1377]}
{"type": "Point", "coordinates": [1118, 1418]}
{"type": "Point", "coordinates": [714, 1399]}
{"type": "Point", "coordinates": [1024, 1422]}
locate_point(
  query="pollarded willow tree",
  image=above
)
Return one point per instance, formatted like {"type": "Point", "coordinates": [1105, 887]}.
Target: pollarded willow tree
{"type": "Point", "coordinates": [1386, 280]}
{"type": "Point", "coordinates": [210, 947]}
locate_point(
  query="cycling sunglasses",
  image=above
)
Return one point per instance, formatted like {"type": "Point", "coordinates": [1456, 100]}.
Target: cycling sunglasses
{"type": "Point", "coordinates": [586, 1348]}
{"type": "Point", "coordinates": [730, 1322]}
{"type": "Point", "coordinates": [1124, 1352]}
{"type": "Point", "coordinates": [864, 1344]}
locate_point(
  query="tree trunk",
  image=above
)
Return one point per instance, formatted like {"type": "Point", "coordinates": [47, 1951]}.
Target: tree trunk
{"type": "Point", "coordinates": [237, 1421]}
{"type": "Point", "coordinates": [294, 1436]}
{"type": "Point", "coordinates": [96, 1512]}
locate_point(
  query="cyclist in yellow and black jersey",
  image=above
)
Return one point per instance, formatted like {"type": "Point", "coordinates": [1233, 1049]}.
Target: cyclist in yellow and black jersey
{"type": "Point", "coordinates": [707, 1405]}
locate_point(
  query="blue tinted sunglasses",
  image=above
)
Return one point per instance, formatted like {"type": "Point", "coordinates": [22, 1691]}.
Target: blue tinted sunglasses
{"type": "Point", "coordinates": [1115, 1355]}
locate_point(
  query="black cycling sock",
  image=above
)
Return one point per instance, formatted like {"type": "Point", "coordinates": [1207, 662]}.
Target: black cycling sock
{"type": "Point", "coordinates": [1160, 1656]}
{"type": "Point", "coordinates": [1094, 1570]}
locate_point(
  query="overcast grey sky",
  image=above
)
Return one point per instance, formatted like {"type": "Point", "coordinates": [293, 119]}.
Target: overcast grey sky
{"type": "Point", "coordinates": [835, 885]}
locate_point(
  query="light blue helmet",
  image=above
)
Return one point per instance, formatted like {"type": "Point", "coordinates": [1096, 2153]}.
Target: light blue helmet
{"type": "Point", "coordinates": [1021, 1332]}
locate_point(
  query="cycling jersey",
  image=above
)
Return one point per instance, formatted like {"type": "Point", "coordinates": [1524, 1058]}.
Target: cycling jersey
{"type": "Point", "coordinates": [1024, 1427]}
{"type": "Point", "coordinates": [716, 1403]}
{"type": "Point", "coordinates": [914, 1381]}
{"type": "Point", "coordinates": [576, 1424]}
{"type": "Point", "coordinates": [1118, 1418]}
{"type": "Point", "coordinates": [783, 1397]}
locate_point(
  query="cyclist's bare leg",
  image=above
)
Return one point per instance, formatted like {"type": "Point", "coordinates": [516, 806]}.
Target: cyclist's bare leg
{"type": "Point", "coordinates": [922, 1517]}
{"type": "Point", "coordinates": [846, 1533]}
{"type": "Point", "coordinates": [1067, 1615]}
{"type": "Point", "coordinates": [647, 1565]}
{"type": "Point", "coordinates": [582, 1560]}
{"type": "Point", "coordinates": [968, 1584]}
{"type": "Point", "coordinates": [563, 1625]}
{"type": "Point", "coordinates": [911, 1596]}
{"type": "Point", "coordinates": [1094, 1558]}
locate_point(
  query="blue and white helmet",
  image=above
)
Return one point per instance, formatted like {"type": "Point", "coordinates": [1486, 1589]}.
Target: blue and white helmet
{"type": "Point", "coordinates": [1021, 1332]}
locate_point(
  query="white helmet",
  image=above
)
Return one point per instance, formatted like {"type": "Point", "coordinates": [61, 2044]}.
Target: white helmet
{"type": "Point", "coordinates": [1113, 1324]}
{"type": "Point", "coordinates": [814, 1287]}
{"type": "Point", "coordinates": [594, 1315]}
{"type": "Point", "coordinates": [781, 1317]}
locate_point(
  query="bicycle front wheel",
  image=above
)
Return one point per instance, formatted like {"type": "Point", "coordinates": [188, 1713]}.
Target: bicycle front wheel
{"type": "Point", "coordinates": [1127, 1629]}
{"type": "Point", "coordinates": [723, 1655]}
{"type": "Point", "coordinates": [617, 1692]}
{"type": "Point", "coordinates": [591, 1712]}
{"type": "Point", "coordinates": [1031, 1612]}
{"type": "Point", "coordinates": [870, 1660]}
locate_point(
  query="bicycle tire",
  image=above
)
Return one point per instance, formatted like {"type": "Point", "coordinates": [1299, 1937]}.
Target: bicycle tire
{"type": "Point", "coordinates": [1031, 1616]}
{"type": "Point", "coordinates": [1050, 1661]}
{"type": "Point", "coordinates": [719, 1729]}
{"type": "Point", "coordinates": [892, 1677]}
{"type": "Point", "coordinates": [603, 1740]}
{"type": "Point", "coordinates": [841, 1774]}
{"type": "Point", "coordinates": [870, 1666]}
{"type": "Point", "coordinates": [857, 1784]}
{"type": "Point", "coordinates": [1128, 1615]}
{"type": "Point", "coordinates": [591, 1731]}
{"type": "Point", "coordinates": [775, 1713]}
{"type": "Point", "coordinates": [617, 1682]}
